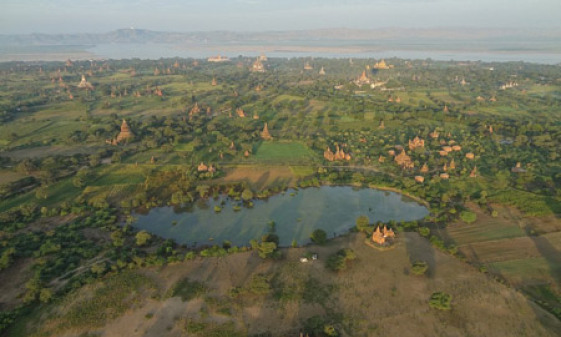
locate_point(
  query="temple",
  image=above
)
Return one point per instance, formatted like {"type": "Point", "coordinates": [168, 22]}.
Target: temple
{"type": "Point", "coordinates": [265, 133]}
{"type": "Point", "coordinates": [381, 65]}
{"type": "Point", "coordinates": [240, 113]}
{"type": "Point", "coordinates": [404, 160]}
{"type": "Point", "coordinates": [125, 133]}
{"type": "Point", "coordinates": [362, 79]}
{"type": "Point", "coordinates": [383, 237]}
{"type": "Point", "coordinates": [425, 168]}
{"type": "Point", "coordinates": [85, 84]}
{"type": "Point", "coordinates": [258, 66]}
{"type": "Point", "coordinates": [322, 71]}
{"type": "Point", "coordinates": [218, 59]}
{"type": "Point", "coordinates": [308, 66]}
{"type": "Point", "coordinates": [416, 142]}
{"type": "Point", "coordinates": [214, 82]}
{"type": "Point", "coordinates": [381, 126]}
{"type": "Point", "coordinates": [518, 168]}
{"type": "Point", "coordinates": [195, 110]}
{"type": "Point", "coordinates": [473, 173]}
{"type": "Point", "coordinates": [338, 155]}
{"type": "Point", "coordinates": [434, 135]}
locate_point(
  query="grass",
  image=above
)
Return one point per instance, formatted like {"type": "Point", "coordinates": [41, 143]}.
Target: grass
{"type": "Point", "coordinates": [187, 289]}
{"type": "Point", "coordinates": [282, 152]}
{"type": "Point", "coordinates": [106, 301]}
{"type": "Point", "coordinates": [524, 269]}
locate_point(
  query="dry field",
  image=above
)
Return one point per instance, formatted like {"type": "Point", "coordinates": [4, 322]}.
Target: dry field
{"type": "Point", "coordinates": [376, 296]}
{"type": "Point", "coordinates": [260, 177]}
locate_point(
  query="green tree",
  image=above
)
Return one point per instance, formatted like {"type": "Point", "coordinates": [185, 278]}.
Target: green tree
{"type": "Point", "coordinates": [45, 295]}
{"type": "Point", "coordinates": [247, 194]}
{"type": "Point", "coordinates": [468, 216]}
{"type": "Point", "coordinates": [142, 238]}
{"type": "Point", "coordinates": [362, 222]}
{"type": "Point", "coordinates": [440, 301]}
{"type": "Point", "coordinates": [319, 236]}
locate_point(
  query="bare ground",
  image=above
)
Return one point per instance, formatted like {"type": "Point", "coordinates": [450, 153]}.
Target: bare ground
{"type": "Point", "coordinates": [376, 296]}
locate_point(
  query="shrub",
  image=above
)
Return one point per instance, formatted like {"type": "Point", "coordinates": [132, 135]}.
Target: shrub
{"type": "Point", "coordinates": [319, 236]}
{"type": "Point", "coordinates": [419, 267]}
{"type": "Point", "coordinates": [468, 216]}
{"type": "Point", "coordinates": [142, 238]}
{"type": "Point", "coordinates": [338, 261]}
{"type": "Point", "coordinates": [362, 222]}
{"type": "Point", "coordinates": [188, 290]}
{"type": "Point", "coordinates": [440, 301]}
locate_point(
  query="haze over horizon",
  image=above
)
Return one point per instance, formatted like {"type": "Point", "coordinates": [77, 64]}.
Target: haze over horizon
{"type": "Point", "coordinates": [96, 16]}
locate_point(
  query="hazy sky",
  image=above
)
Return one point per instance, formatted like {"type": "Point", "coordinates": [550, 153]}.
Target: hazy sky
{"type": "Point", "coordinates": [70, 16]}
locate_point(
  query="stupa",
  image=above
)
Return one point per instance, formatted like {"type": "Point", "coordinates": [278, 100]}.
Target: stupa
{"type": "Point", "coordinates": [125, 133]}
{"type": "Point", "coordinates": [257, 66]}
{"type": "Point", "coordinates": [322, 71]}
{"type": "Point", "coordinates": [265, 133]}
{"type": "Point", "coordinates": [85, 84]}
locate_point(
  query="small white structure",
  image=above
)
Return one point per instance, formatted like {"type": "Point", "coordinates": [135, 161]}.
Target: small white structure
{"type": "Point", "coordinates": [303, 259]}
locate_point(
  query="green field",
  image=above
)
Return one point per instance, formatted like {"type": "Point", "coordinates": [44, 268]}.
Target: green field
{"type": "Point", "coordinates": [282, 152]}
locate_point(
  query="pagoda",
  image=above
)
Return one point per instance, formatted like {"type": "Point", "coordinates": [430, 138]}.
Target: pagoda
{"type": "Point", "coordinates": [265, 133]}
{"type": "Point", "coordinates": [258, 66]}
{"type": "Point", "coordinates": [125, 133]}
{"type": "Point", "coordinates": [381, 65]}
{"type": "Point", "coordinates": [425, 168]}
{"type": "Point", "coordinates": [404, 160]}
{"type": "Point", "coordinates": [85, 84]}
{"type": "Point", "coordinates": [384, 236]}
{"type": "Point", "coordinates": [362, 79]}
{"type": "Point", "coordinates": [322, 71]}
{"type": "Point", "coordinates": [214, 83]}
{"type": "Point", "coordinates": [202, 167]}
{"type": "Point", "coordinates": [328, 154]}
{"type": "Point", "coordinates": [473, 173]}
{"type": "Point", "coordinates": [240, 113]}
{"type": "Point", "coordinates": [381, 126]}
{"type": "Point", "coordinates": [416, 142]}
{"type": "Point", "coordinates": [308, 66]}
{"type": "Point", "coordinates": [195, 110]}
{"type": "Point", "coordinates": [434, 135]}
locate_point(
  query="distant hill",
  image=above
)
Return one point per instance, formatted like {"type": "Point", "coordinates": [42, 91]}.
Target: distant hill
{"type": "Point", "coordinates": [149, 36]}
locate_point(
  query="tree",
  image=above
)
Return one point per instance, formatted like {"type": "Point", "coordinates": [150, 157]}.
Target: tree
{"type": "Point", "coordinates": [319, 236]}
{"type": "Point", "coordinates": [266, 249]}
{"type": "Point", "coordinates": [440, 301]}
{"type": "Point", "coordinates": [247, 194]}
{"type": "Point", "coordinates": [338, 261]}
{"type": "Point", "coordinates": [362, 222]}
{"type": "Point", "coordinates": [468, 216]}
{"type": "Point", "coordinates": [419, 267]}
{"type": "Point", "coordinates": [45, 295]}
{"type": "Point", "coordinates": [142, 238]}
{"type": "Point", "coordinates": [117, 237]}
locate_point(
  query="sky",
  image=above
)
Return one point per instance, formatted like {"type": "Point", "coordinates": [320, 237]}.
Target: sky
{"type": "Point", "coordinates": [81, 16]}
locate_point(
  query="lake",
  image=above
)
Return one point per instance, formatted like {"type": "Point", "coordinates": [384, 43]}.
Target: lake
{"type": "Point", "coordinates": [295, 213]}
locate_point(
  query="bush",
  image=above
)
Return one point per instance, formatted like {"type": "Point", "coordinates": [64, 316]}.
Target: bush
{"type": "Point", "coordinates": [362, 222]}
{"type": "Point", "coordinates": [419, 267]}
{"type": "Point", "coordinates": [187, 290]}
{"type": "Point", "coordinates": [338, 261]}
{"type": "Point", "coordinates": [468, 216]}
{"type": "Point", "coordinates": [440, 301]}
{"type": "Point", "coordinates": [142, 238]}
{"type": "Point", "coordinates": [319, 236]}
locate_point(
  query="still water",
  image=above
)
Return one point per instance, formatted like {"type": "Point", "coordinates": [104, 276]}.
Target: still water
{"type": "Point", "coordinates": [295, 213]}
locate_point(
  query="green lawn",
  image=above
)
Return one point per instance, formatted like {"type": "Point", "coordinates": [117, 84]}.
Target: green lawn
{"type": "Point", "coordinates": [282, 152]}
